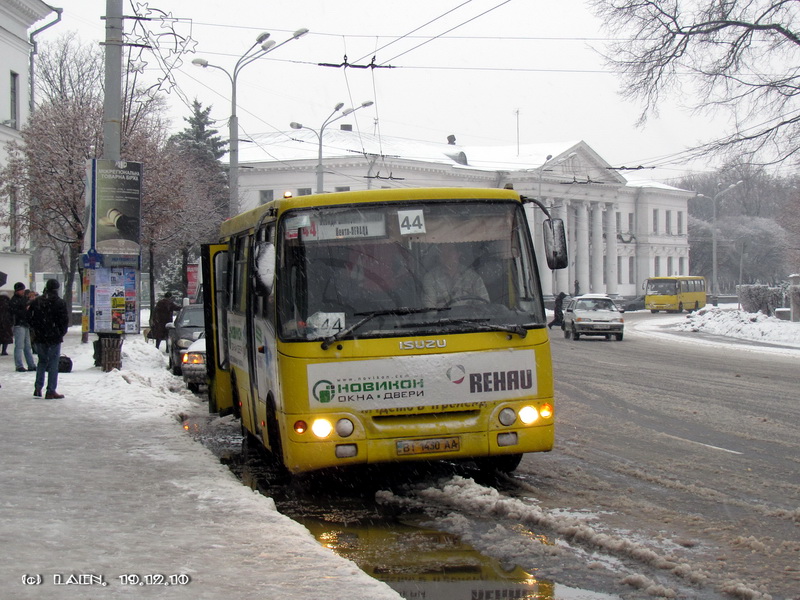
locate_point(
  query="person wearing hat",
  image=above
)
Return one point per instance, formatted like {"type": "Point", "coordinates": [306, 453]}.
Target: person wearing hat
{"type": "Point", "coordinates": [23, 352]}
{"type": "Point", "coordinates": [49, 322]}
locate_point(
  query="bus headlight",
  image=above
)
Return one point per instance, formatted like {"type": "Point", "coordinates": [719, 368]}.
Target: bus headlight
{"type": "Point", "coordinates": [322, 428]}
{"type": "Point", "coordinates": [546, 411]}
{"type": "Point", "coordinates": [528, 415]}
{"type": "Point", "coordinates": [344, 428]}
{"type": "Point", "coordinates": [507, 416]}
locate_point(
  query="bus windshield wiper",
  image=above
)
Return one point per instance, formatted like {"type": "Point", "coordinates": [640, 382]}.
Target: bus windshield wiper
{"type": "Point", "coordinates": [326, 343]}
{"type": "Point", "coordinates": [478, 324]}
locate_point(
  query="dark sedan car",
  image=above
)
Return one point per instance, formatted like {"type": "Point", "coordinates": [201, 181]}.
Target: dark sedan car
{"type": "Point", "coordinates": [186, 328]}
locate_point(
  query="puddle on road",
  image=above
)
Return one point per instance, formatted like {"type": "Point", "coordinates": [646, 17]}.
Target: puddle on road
{"type": "Point", "coordinates": [418, 562]}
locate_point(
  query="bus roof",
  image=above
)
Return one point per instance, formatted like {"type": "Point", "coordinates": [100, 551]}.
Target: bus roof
{"type": "Point", "coordinates": [251, 218]}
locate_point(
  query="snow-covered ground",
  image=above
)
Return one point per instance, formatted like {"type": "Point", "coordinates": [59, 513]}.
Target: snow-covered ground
{"type": "Point", "coordinates": [735, 323]}
{"type": "Point", "coordinates": [107, 482]}
{"type": "Point", "coordinates": [728, 321]}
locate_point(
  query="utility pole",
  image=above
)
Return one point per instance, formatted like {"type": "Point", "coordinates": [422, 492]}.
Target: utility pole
{"type": "Point", "coordinates": [112, 103]}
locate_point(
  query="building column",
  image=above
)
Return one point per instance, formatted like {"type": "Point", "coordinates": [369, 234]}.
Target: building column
{"type": "Point", "coordinates": [611, 251]}
{"type": "Point", "coordinates": [596, 257]}
{"type": "Point", "coordinates": [581, 282]}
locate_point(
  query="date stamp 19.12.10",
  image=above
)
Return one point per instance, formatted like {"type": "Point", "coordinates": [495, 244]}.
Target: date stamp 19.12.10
{"type": "Point", "coordinates": [101, 580]}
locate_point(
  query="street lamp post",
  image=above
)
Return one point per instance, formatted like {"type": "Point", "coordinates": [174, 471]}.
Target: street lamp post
{"type": "Point", "coordinates": [714, 281]}
{"type": "Point", "coordinates": [262, 46]}
{"type": "Point", "coordinates": [331, 118]}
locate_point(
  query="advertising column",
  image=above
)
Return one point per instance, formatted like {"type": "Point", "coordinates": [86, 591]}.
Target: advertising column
{"type": "Point", "coordinates": [112, 255]}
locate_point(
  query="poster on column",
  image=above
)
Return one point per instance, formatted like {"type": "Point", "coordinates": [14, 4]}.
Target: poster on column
{"type": "Point", "coordinates": [115, 300]}
{"type": "Point", "coordinates": [115, 194]}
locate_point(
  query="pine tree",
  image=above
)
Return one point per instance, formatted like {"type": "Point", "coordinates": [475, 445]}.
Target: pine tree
{"type": "Point", "coordinates": [199, 136]}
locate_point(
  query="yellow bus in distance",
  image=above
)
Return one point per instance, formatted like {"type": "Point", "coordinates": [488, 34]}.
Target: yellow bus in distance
{"type": "Point", "coordinates": [383, 326]}
{"type": "Point", "coordinates": [675, 294]}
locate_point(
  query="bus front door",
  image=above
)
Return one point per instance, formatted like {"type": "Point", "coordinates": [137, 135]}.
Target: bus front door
{"type": "Point", "coordinates": [215, 302]}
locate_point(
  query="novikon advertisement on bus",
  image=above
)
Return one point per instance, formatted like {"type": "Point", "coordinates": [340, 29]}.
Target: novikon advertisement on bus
{"type": "Point", "coordinates": [426, 380]}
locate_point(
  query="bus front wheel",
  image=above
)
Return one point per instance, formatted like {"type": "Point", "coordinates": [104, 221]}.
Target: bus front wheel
{"type": "Point", "coordinates": [274, 435]}
{"type": "Point", "coordinates": [507, 463]}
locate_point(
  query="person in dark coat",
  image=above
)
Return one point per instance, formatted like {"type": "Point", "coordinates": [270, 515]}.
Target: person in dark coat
{"type": "Point", "coordinates": [23, 350]}
{"type": "Point", "coordinates": [162, 314]}
{"type": "Point", "coordinates": [6, 324]}
{"type": "Point", "coordinates": [558, 310]}
{"type": "Point", "coordinates": [49, 321]}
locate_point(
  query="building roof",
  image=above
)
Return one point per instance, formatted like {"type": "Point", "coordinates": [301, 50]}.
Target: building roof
{"type": "Point", "coordinates": [303, 144]}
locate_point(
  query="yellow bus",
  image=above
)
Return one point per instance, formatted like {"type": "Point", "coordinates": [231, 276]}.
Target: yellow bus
{"type": "Point", "coordinates": [674, 294]}
{"type": "Point", "coordinates": [340, 334]}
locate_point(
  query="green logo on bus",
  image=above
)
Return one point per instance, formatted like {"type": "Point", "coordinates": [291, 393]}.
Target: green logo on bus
{"type": "Point", "coordinates": [323, 391]}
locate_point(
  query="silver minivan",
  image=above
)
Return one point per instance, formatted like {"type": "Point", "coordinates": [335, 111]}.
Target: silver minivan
{"type": "Point", "coordinates": [593, 314]}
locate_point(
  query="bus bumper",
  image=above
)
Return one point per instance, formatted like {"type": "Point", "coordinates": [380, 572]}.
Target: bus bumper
{"type": "Point", "coordinates": [313, 455]}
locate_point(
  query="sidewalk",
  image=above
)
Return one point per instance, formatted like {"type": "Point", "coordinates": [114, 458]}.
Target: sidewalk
{"type": "Point", "coordinates": [105, 483]}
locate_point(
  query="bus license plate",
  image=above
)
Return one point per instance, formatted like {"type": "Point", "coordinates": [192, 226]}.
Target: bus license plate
{"type": "Point", "coordinates": [407, 447]}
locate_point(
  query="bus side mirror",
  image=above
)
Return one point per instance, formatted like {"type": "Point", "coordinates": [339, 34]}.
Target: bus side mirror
{"type": "Point", "coordinates": [264, 272]}
{"type": "Point", "coordinates": [555, 243]}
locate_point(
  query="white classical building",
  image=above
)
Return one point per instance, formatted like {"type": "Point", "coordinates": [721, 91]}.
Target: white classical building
{"type": "Point", "coordinates": [17, 44]}
{"type": "Point", "coordinates": [619, 232]}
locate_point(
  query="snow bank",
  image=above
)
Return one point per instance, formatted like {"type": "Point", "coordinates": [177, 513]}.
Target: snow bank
{"type": "Point", "coordinates": [742, 325]}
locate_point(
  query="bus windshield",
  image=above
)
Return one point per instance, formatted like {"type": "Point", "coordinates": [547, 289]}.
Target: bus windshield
{"type": "Point", "coordinates": [661, 287]}
{"type": "Point", "coordinates": [403, 269]}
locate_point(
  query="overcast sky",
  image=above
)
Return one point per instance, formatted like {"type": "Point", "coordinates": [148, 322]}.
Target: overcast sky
{"type": "Point", "coordinates": [490, 72]}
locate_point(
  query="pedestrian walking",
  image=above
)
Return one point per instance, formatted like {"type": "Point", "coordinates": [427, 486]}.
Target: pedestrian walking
{"type": "Point", "coordinates": [23, 351]}
{"type": "Point", "coordinates": [162, 314]}
{"type": "Point", "coordinates": [49, 322]}
{"type": "Point", "coordinates": [6, 325]}
{"type": "Point", "coordinates": [558, 311]}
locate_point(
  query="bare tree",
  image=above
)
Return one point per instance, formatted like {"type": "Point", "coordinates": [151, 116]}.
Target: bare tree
{"type": "Point", "coordinates": [46, 173]}
{"type": "Point", "coordinates": [736, 55]}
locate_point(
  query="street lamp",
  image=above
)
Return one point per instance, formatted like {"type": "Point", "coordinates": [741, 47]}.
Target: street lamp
{"type": "Point", "coordinates": [262, 46]}
{"type": "Point", "coordinates": [714, 282]}
{"type": "Point", "coordinates": [331, 118]}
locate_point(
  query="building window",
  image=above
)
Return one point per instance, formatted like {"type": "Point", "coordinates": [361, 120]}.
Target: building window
{"type": "Point", "coordinates": [657, 266]}
{"type": "Point", "coordinates": [342, 188]}
{"type": "Point", "coordinates": [631, 223]}
{"type": "Point", "coordinates": [631, 269]}
{"type": "Point", "coordinates": [303, 191]}
{"type": "Point", "coordinates": [668, 222]}
{"type": "Point", "coordinates": [618, 221]}
{"type": "Point", "coordinates": [619, 269]}
{"type": "Point", "coordinates": [14, 101]}
{"type": "Point", "coordinates": [655, 220]}
{"type": "Point", "coordinates": [265, 196]}
{"type": "Point", "coordinates": [670, 272]}
{"type": "Point", "coordinates": [681, 264]}
{"type": "Point", "coordinates": [680, 224]}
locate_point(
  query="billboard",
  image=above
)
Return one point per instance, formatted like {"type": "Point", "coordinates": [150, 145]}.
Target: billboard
{"type": "Point", "coordinates": [113, 199]}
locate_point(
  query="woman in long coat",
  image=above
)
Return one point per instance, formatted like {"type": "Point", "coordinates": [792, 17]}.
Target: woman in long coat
{"type": "Point", "coordinates": [6, 324]}
{"type": "Point", "coordinates": [162, 314]}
